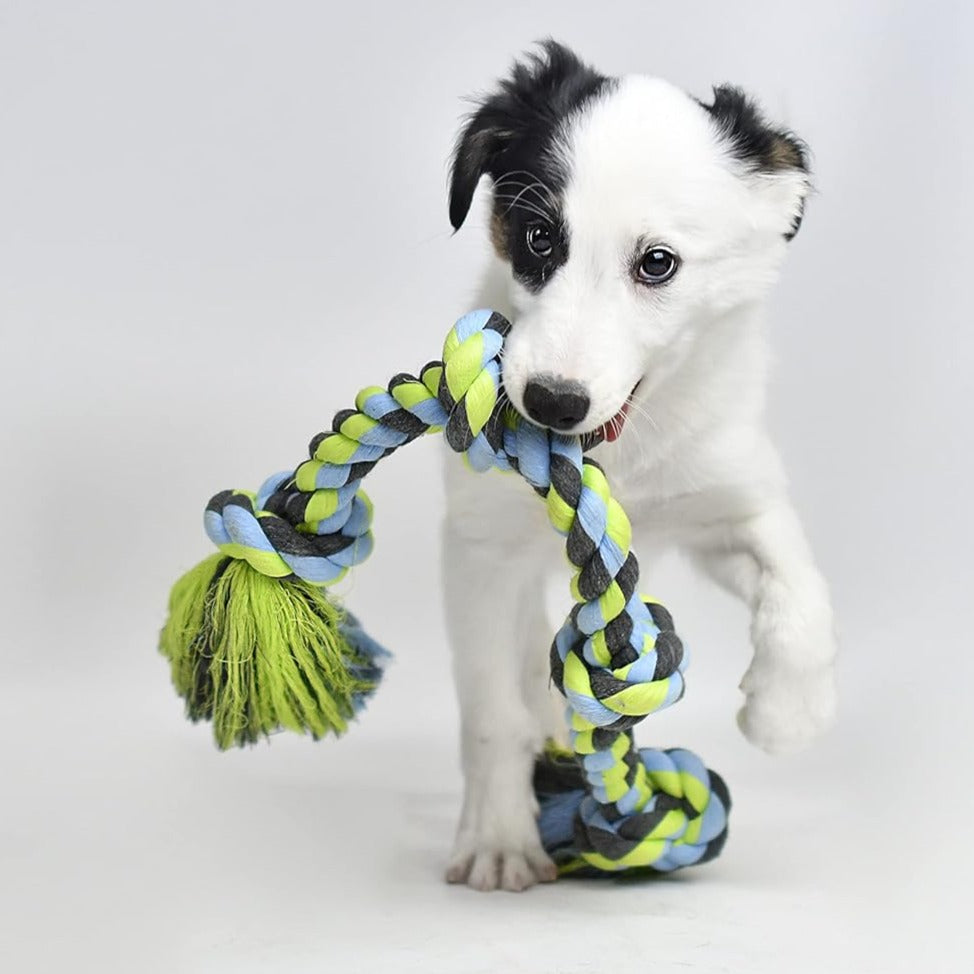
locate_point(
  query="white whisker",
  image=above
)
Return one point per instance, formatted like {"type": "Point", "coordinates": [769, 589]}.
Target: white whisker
{"type": "Point", "coordinates": [528, 207]}
{"type": "Point", "coordinates": [536, 181]}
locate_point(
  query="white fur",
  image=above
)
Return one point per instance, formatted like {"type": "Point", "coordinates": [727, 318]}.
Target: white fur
{"type": "Point", "coordinates": [694, 465]}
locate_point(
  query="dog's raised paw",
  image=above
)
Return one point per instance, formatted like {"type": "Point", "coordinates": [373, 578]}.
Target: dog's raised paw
{"type": "Point", "coordinates": [786, 710]}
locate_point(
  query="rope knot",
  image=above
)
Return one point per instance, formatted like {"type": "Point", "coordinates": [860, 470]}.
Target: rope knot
{"type": "Point", "coordinates": [619, 674]}
{"type": "Point", "coordinates": [673, 813]}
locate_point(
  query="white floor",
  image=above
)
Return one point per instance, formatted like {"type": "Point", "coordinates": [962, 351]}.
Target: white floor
{"type": "Point", "coordinates": [129, 844]}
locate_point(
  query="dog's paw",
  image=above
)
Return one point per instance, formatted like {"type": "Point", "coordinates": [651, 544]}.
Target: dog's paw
{"type": "Point", "coordinates": [488, 868]}
{"type": "Point", "coordinates": [498, 848]}
{"type": "Point", "coordinates": [786, 708]}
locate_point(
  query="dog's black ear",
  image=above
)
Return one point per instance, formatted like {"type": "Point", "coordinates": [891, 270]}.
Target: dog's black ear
{"type": "Point", "coordinates": [480, 142]}
{"type": "Point", "coordinates": [760, 146]}
{"type": "Point", "coordinates": [520, 114]}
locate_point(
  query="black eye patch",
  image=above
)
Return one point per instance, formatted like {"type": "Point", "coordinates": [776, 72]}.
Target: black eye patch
{"type": "Point", "coordinates": [536, 247]}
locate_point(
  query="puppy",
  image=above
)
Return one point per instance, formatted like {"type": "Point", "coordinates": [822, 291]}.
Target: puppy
{"type": "Point", "coordinates": [636, 233]}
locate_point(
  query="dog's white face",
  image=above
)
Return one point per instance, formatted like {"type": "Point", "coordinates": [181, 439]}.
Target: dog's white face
{"type": "Point", "coordinates": [632, 217]}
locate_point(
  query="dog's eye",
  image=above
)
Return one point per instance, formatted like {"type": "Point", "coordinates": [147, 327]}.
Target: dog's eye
{"type": "Point", "coordinates": [539, 240]}
{"type": "Point", "coordinates": [659, 264]}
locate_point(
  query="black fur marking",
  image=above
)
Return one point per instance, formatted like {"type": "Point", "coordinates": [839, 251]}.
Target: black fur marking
{"type": "Point", "coordinates": [797, 222]}
{"type": "Point", "coordinates": [762, 147]}
{"type": "Point", "coordinates": [753, 140]}
{"type": "Point", "coordinates": [510, 138]}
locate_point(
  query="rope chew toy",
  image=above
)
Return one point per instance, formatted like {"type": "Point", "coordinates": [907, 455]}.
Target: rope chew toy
{"type": "Point", "coordinates": [256, 645]}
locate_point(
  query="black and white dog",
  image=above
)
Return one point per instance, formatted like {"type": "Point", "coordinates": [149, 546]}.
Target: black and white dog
{"type": "Point", "coordinates": [637, 232]}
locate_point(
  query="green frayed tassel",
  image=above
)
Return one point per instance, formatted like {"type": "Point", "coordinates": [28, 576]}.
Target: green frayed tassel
{"type": "Point", "coordinates": [256, 654]}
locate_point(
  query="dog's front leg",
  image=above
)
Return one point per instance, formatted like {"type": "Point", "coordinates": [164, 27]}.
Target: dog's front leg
{"type": "Point", "coordinates": [493, 593]}
{"type": "Point", "coordinates": [790, 685]}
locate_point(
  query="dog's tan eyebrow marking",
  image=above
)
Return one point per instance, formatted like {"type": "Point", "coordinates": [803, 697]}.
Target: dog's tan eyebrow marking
{"type": "Point", "coordinates": [498, 235]}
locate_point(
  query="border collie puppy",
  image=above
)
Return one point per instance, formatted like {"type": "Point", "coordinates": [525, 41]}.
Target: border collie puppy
{"type": "Point", "coordinates": [636, 233]}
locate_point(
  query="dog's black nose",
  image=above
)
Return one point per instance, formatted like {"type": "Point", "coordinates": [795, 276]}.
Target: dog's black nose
{"type": "Point", "coordinates": [558, 403]}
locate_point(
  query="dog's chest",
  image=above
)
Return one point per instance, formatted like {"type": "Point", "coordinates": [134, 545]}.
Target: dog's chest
{"type": "Point", "coordinates": [665, 494]}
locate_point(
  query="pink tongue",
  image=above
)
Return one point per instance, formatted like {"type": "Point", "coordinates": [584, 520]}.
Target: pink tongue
{"type": "Point", "coordinates": [612, 430]}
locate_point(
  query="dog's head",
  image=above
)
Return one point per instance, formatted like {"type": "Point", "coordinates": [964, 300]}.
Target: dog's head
{"type": "Point", "coordinates": [633, 218]}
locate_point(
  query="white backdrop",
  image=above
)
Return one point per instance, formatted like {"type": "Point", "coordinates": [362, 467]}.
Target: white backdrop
{"type": "Point", "coordinates": [217, 222]}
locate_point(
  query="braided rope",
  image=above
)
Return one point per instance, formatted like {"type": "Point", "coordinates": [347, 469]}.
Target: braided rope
{"type": "Point", "coordinates": [617, 657]}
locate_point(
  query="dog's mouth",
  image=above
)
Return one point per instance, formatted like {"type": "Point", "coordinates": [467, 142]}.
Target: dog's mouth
{"type": "Point", "coordinates": [611, 430]}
